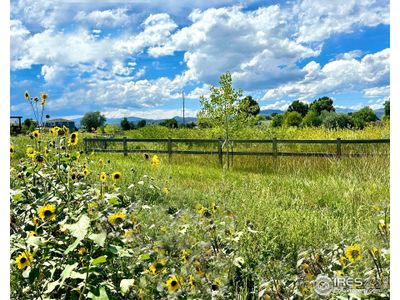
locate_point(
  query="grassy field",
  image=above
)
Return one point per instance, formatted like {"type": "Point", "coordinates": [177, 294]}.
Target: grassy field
{"type": "Point", "coordinates": [280, 207]}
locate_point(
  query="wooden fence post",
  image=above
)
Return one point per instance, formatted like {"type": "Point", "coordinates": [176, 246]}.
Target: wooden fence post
{"type": "Point", "coordinates": [220, 151]}
{"type": "Point", "coordinates": [338, 147]}
{"type": "Point", "coordinates": [125, 147]}
{"type": "Point", "coordinates": [275, 147]}
{"type": "Point", "coordinates": [105, 144]}
{"type": "Point", "coordinates": [169, 148]}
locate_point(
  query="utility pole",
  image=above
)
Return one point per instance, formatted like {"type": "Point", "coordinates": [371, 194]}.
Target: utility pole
{"type": "Point", "coordinates": [183, 107]}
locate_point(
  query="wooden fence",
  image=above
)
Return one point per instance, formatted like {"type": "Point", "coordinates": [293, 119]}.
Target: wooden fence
{"type": "Point", "coordinates": [102, 145]}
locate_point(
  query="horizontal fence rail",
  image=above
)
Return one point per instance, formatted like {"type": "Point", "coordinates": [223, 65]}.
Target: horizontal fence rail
{"type": "Point", "coordinates": [101, 144]}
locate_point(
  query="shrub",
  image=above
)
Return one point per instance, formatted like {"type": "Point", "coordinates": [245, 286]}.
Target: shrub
{"type": "Point", "coordinates": [277, 121]}
{"type": "Point", "coordinates": [292, 118]}
{"type": "Point", "coordinates": [300, 107]}
{"type": "Point", "coordinates": [332, 120]}
{"type": "Point", "coordinates": [363, 116]}
{"type": "Point", "coordinates": [311, 119]}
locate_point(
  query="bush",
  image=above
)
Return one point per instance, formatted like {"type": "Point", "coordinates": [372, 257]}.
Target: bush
{"type": "Point", "coordinates": [300, 107]}
{"type": "Point", "coordinates": [111, 129]}
{"type": "Point", "coordinates": [277, 121]}
{"type": "Point", "coordinates": [292, 118]}
{"type": "Point", "coordinates": [363, 116]}
{"type": "Point", "coordinates": [311, 119]}
{"type": "Point", "coordinates": [333, 120]}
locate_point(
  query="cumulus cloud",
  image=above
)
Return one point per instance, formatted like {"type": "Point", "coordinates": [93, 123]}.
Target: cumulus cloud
{"type": "Point", "coordinates": [104, 18]}
{"type": "Point", "coordinates": [347, 74]}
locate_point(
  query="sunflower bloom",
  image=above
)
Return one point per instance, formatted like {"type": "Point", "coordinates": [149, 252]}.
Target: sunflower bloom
{"type": "Point", "coordinates": [82, 251]}
{"type": "Point", "coordinates": [55, 131]}
{"type": "Point", "coordinates": [38, 158]}
{"type": "Point", "coordinates": [342, 260]}
{"type": "Point", "coordinates": [185, 256]}
{"type": "Point", "coordinates": [117, 218]}
{"type": "Point", "coordinates": [85, 171]}
{"type": "Point", "coordinates": [160, 266]}
{"type": "Point", "coordinates": [33, 233]}
{"type": "Point", "coordinates": [375, 252]}
{"type": "Point", "coordinates": [46, 151]}
{"type": "Point", "coordinates": [383, 226]}
{"type": "Point", "coordinates": [26, 95]}
{"type": "Point", "coordinates": [23, 260]}
{"type": "Point", "coordinates": [116, 176]}
{"type": "Point", "coordinates": [35, 220]}
{"type": "Point", "coordinates": [353, 252]}
{"type": "Point", "coordinates": [173, 284]}
{"type": "Point", "coordinates": [103, 177]}
{"type": "Point", "coordinates": [30, 152]}
{"type": "Point", "coordinates": [47, 212]}
{"type": "Point", "coordinates": [191, 282]}
{"type": "Point", "coordinates": [44, 97]}
{"type": "Point", "coordinates": [12, 151]}
{"type": "Point", "coordinates": [155, 161]}
{"type": "Point", "coordinates": [36, 134]}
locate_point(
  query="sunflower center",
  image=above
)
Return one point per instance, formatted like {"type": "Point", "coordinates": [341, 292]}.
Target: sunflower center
{"type": "Point", "coordinates": [116, 176]}
{"type": "Point", "coordinates": [47, 213]}
{"type": "Point", "coordinates": [354, 253]}
{"type": "Point", "coordinates": [23, 260]}
{"type": "Point", "coordinates": [174, 283]}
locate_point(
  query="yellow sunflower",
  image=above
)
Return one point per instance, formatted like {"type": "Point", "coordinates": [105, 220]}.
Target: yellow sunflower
{"type": "Point", "coordinates": [72, 141]}
{"type": "Point", "coordinates": [184, 256]}
{"type": "Point", "coordinates": [26, 95]}
{"type": "Point", "coordinates": [36, 134]}
{"type": "Point", "coordinates": [353, 252]}
{"type": "Point", "coordinates": [23, 260]}
{"type": "Point", "coordinates": [55, 131]}
{"type": "Point", "coordinates": [82, 251]}
{"type": "Point", "coordinates": [165, 191]}
{"type": "Point", "coordinates": [12, 151]}
{"type": "Point", "coordinates": [375, 252]}
{"type": "Point", "coordinates": [35, 220]}
{"type": "Point", "coordinates": [30, 152]}
{"type": "Point", "coordinates": [155, 161]}
{"type": "Point", "coordinates": [46, 151]}
{"type": "Point", "coordinates": [214, 208]}
{"type": "Point", "coordinates": [342, 260]}
{"type": "Point", "coordinates": [116, 176]}
{"type": "Point", "coordinates": [160, 266]}
{"type": "Point", "coordinates": [191, 282]}
{"type": "Point", "coordinates": [383, 226]}
{"type": "Point", "coordinates": [173, 284]}
{"type": "Point", "coordinates": [85, 172]}
{"type": "Point", "coordinates": [47, 212]}
{"type": "Point", "coordinates": [38, 158]}
{"type": "Point", "coordinates": [117, 218]}
{"type": "Point", "coordinates": [44, 97]}
{"type": "Point", "coordinates": [103, 177]}
{"type": "Point", "coordinates": [33, 233]}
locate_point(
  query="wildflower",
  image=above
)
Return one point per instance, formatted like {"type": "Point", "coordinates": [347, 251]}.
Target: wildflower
{"type": "Point", "coordinates": [339, 273]}
{"type": "Point", "coordinates": [173, 284]}
{"type": "Point", "coordinates": [55, 130]}
{"type": "Point", "coordinates": [155, 161]}
{"type": "Point", "coordinates": [36, 99]}
{"type": "Point", "coordinates": [116, 176]}
{"type": "Point", "coordinates": [26, 95]}
{"type": "Point", "coordinates": [191, 282]}
{"type": "Point", "coordinates": [72, 141]}
{"type": "Point", "coordinates": [38, 158]}
{"type": "Point", "coordinates": [46, 151]}
{"type": "Point", "coordinates": [200, 209]}
{"type": "Point", "coordinates": [74, 135]}
{"type": "Point", "coordinates": [24, 260]}
{"type": "Point", "coordinates": [342, 260]}
{"type": "Point", "coordinates": [375, 252]}
{"type": "Point", "coordinates": [82, 251]}
{"type": "Point", "coordinates": [117, 218]}
{"type": "Point", "coordinates": [44, 97]}
{"type": "Point", "coordinates": [353, 252]}
{"type": "Point", "coordinates": [47, 212]}
{"type": "Point", "coordinates": [33, 233]}
{"type": "Point", "coordinates": [103, 177]}
{"type": "Point", "coordinates": [30, 152]}
{"type": "Point", "coordinates": [36, 134]}
{"type": "Point", "coordinates": [216, 283]}
{"type": "Point", "coordinates": [65, 130]}
{"type": "Point", "coordinates": [197, 267]}
{"type": "Point", "coordinates": [165, 191]}
{"type": "Point", "coordinates": [12, 151]}
{"type": "Point", "coordinates": [214, 208]}
{"type": "Point", "coordinates": [158, 267]}
{"type": "Point", "coordinates": [307, 272]}
{"type": "Point", "coordinates": [184, 256]}
{"type": "Point", "coordinates": [35, 220]}
{"type": "Point", "coordinates": [383, 226]}
{"type": "Point", "coordinates": [85, 171]}
{"type": "Point", "coordinates": [130, 233]}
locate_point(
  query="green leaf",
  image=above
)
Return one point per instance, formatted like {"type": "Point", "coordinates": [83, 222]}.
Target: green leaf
{"type": "Point", "coordinates": [72, 246]}
{"type": "Point", "coordinates": [99, 260]}
{"type": "Point", "coordinates": [125, 285]}
{"type": "Point", "coordinates": [99, 238]}
{"type": "Point", "coordinates": [51, 286]}
{"type": "Point", "coordinates": [67, 272]}
{"type": "Point", "coordinates": [80, 228]}
{"type": "Point", "coordinates": [113, 201]}
{"type": "Point", "coordinates": [34, 273]}
{"type": "Point", "coordinates": [102, 296]}
{"type": "Point", "coordinates": [145, 256]}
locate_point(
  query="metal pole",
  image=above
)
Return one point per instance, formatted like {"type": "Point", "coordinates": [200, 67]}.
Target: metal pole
{"type": "Point", "coordinates": [183, 107]}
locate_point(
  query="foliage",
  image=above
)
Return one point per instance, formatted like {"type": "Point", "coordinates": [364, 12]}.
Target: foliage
{"type": "Point", "coordinates": [363, 116]}
{"type": "Point", "coordinates": [93, 120]}
{"type": "Point", "coordinates": [111, 129]}
{"type": "Point", "coordinates": [311, 119]}
{"type": "Point", "coordinates": [249, 106]}
{"type": "Point", "coordinates": [170, 123]}
{"type": "Point", "coordinates": [321, 104]}
{"type": "Point", "coordinates": [298, 106]}
{"type": "Point", "coordinates": [277, 120]}
{"type": "Point", "coordinates": [141, 124]}
{"type": "Point", "coordinates": [126, 125]}
{"type": "Point", "coordinates": [292, 118]}
{"type": "Point", "coordinates": [386, 107]}
{"type": "Point", "coordinates": [333, 120]}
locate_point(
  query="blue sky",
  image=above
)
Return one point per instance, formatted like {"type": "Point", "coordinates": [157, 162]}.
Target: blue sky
{"type": "Point", "coordinates": [135, 57]}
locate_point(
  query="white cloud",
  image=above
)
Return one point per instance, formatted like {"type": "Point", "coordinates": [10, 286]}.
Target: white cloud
{"type": "Point", "coordinates": [104, 18]}
{"type": "Point", "coordinates": [52, 74]}
{"type": "Point", "coordinates": [318, 20]}
{"type": "Point", "coordinates": [147, 114]}
{"type": "Point", "coordinates": [377, 91]}
{"type": "Point", "coordinates": [339, 75]}
{"type": "Point", "coordinates": [281, 105]}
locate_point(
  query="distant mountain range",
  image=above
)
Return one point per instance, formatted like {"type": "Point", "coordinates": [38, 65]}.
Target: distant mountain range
{"type": "Point", "coordinates": [379, 113]}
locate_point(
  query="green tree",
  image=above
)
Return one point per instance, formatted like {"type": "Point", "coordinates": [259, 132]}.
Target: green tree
{"type": "Point", "coordinates": [141, 123]}
{"type": "Point", "coordinates": [324, 103]}
{"type": "Point", "coordinates": [300, 107]}
{"type": "Point", "coordinates": [386, 107]}
{"type": "Point", "coordinates": [333, 120]}
{"type": "Point", "coordinates": [170, 123]}
{"type": "Point", "coordinates": [292, 118]}
{"type": "Point", "coordinates": [277, 120]}
{"type": "Point", "coordinates": [125, 124]}
{"type": "Point", "coordinates": [363, 116]}
{"type": "Point", "coordinates": [249, 106]}
{"type": "Point", "coordinates": [311, 119]}
{"type": "Point", "coordinates": [93, 120]}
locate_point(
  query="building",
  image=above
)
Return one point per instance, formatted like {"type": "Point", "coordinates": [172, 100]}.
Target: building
{"type": "Point", "coordinates": [60, 123]}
